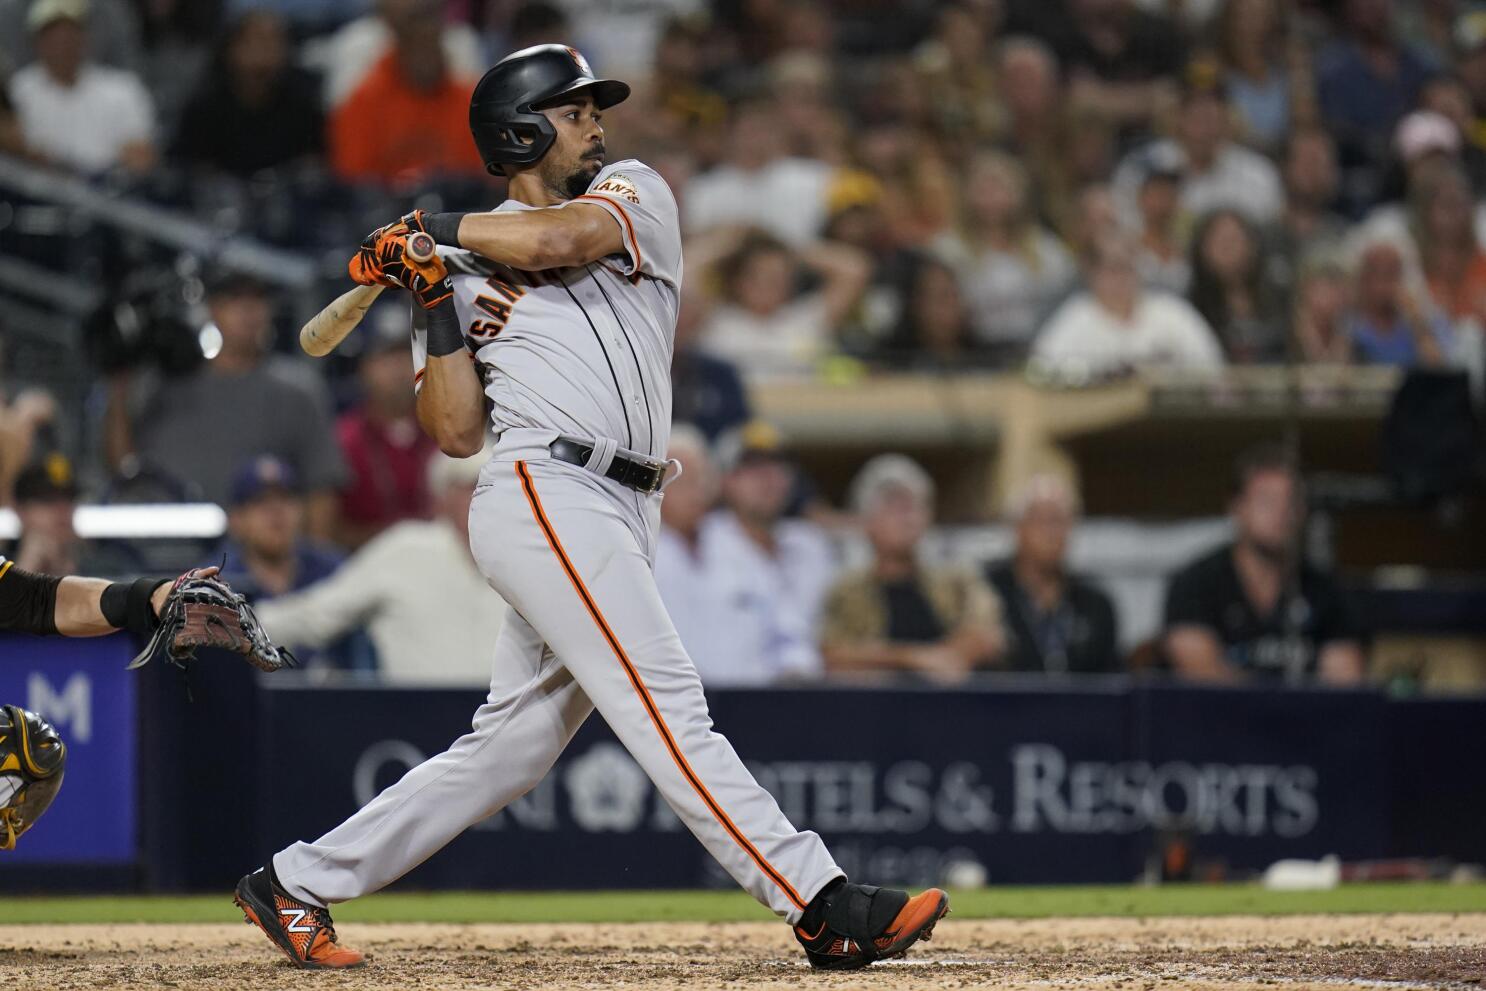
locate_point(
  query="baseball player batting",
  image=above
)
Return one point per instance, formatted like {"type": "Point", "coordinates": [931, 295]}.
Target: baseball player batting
{"type": "Point", "coordinates": [561, 312]}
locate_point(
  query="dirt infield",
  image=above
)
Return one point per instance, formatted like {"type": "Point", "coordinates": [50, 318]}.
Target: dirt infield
{"type": "Point", "coordinates": [1404, 951]}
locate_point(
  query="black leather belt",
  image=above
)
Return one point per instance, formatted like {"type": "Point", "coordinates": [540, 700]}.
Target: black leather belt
{"type": "Point", "coordinates": [636, 471]}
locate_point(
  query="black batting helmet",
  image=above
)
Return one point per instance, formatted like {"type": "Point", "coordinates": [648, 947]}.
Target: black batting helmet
{"type": "Point", "coordinates": [506, 128]}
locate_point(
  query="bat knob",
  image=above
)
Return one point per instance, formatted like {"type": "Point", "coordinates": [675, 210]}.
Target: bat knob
{"type": "Point", "coordinates": [421, 247]}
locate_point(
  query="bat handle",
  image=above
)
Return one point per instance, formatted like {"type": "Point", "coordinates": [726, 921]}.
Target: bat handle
{"type": "Point", "coordinates": [421, 248]}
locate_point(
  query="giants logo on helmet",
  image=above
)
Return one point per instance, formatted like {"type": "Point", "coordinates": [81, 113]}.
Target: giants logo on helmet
{"type": "Point", "coordinates": [580, 61]}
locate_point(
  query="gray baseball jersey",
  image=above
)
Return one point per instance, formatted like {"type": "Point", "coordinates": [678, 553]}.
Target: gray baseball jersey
{"type": "Point", "coordinates": [584, 351]}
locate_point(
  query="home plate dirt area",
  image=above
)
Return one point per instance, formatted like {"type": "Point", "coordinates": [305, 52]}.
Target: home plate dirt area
{"type": "Point", "coordinates": [1290, 952]}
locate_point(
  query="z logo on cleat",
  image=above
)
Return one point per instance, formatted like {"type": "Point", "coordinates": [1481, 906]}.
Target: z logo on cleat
{"type": "Point", "coordinates": [293, 925]}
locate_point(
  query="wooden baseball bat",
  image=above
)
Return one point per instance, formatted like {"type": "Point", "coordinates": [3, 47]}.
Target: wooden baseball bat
{"type": "Point", "coordinates": [324, 331]}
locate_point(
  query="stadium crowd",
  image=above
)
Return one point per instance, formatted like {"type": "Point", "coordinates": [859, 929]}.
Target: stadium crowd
{"type": "Point", "coordinates": [1083, 189]}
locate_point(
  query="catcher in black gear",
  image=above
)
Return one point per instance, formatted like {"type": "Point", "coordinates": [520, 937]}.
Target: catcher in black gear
{"type": "Point", "coordinates": [197, 609]}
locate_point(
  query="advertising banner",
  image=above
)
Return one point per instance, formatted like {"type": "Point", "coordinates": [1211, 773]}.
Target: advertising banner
{"type": "Point", "coordinates": [1013, 785]}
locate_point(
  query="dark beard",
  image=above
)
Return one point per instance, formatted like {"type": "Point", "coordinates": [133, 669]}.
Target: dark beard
{"type": "Point", "coordinates": [577, 183]}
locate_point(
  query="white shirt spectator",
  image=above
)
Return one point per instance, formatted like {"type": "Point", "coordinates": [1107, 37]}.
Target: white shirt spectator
{"type": "Point", "coordinates": [1240, 178]}
{"type": "Point", "coordinates": [344, 58]}
{"type": "Point", "coordinates": [1010, 292]}
{"type": "Point", "coordinates": [1084, 338]}
{"type": "Point", "coordinates": [84, 126]}
{"type": "Point", "coordinates": [415, 587]}
{"type": "Point", "coordinates": [788, 342]}
{"type": "Point", "coordinates": [619, 36]}
{"type": "Point", "coordinates": [746, 617]}
{"type": "Point", "coordinates": [786, 197]}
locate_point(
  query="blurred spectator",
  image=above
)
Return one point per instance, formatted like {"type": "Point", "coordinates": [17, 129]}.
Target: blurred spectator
{"type": "Point", "coordinates": [934, 331]}
{"type": "Point", "coordinates": [255, 111]}
{"type": "Point", "coordinates": [1162, 261]}
{"type": "Point", "coordinates": [415, 587]}
{"type": "Point", "coordinates": [763, 576]}
{"type": "Point", "coordinates": [959, 82]}
{"type": "Point", "coordinates": [1216, 171]}
{"type": "Point", "coordinates": [1115, 326]}
{"type": "Point", "coordinates": [12, 142]}
{"type": "Point", "coordinates": [267, 554]}
{"type": "Point", "coordinates": [857, 218]}
{"type": "Point", "coordinates": [533, 22]}
{"type": "Point", "coordinates": [409, 115]}
{"type": "Point", "coordinates": [1012, 268]}
{"type": "Point", "coordinates": [45, 502]}
{"type": "Point", "coordinates": [72, 112]}
{"type": "Point", "coordinates": [813, 126]}
{"type": "Point", "coordinates": [24, 421]}
{"type": "Point", "coordinates": [1448, 97]}
{"type": "Point", "coordinates": [1366, 79]}
{"type": "Point", "coordinates": [758, 184]}
{"type": "Point", "coordinates": [1390, 323]}
{"type": "Point", "coordinates": [705, 391]}
{"type": "Point", "coordinates": [620, 36]}
{"type": "Point", "coordinates": [242, 403]}
{"type": "Point", "coordinates": [1255, 48]}
{"type": "Point", "coordinates": [1119, 59]}
{"type": "Point", "coordinates": [1230, 290]}
{"type": "Point", "coordinates": [1254, 608]}
{"type": "Point", "coordinates": [899, 613]}
{"type": "Point", "coordinates": [1310, 225]}
{"type": "Point", "coordinates": [1470, 66]}
{"type": "Point", "coordinates": [178, 40]}
{"type": "Point", "coordinates": [761, 325]}
{"type": "Point", "coordinates": [1096, 218]}
{"type": "Point", "coordinates": [112, 27]}
{"type": "Point", "coordinates": [386, 451]}
{"type": "Point", "coordinates": [1319, 325]}
{"type": "Point", "coordinates": [678, 82]}
{"type": "Point", "coordinates": [688, 572]}
{"type": "Point", "coordinates": [1443, 224]}
{"type": "Point", "coordinates": [920, 189]}
{"type": "Point", "coordinates": [1056, 622]}
{"type": "Point", "coordinates": [1053, 144]}
{"type": "Point", "coordinates": [347, 57]}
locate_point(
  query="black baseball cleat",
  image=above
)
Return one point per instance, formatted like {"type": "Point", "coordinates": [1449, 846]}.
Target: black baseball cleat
{"type": "Point", "coordinates": [847, 926]}
{"type": "Point", "coordinates": [303, 931]}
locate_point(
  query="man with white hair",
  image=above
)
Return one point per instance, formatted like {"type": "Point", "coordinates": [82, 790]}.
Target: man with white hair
{"type": "Point", "coordinates": [1055, 622]}
{"type": "Point", "coordinates": [742, 583]}
{"type": "Point", "coordinates": [900, 613]}
{"type": "Point", "coordinates": [684, 572]}
{"type": "Point", "coordinates": [415, 587]}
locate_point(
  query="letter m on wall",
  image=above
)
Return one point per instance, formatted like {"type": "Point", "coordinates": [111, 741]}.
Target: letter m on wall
{"type": "Point", "coordinates": [70, 709]}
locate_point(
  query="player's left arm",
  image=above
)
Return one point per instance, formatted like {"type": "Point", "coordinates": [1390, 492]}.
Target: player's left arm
{"type": "Point", "coordinates": [552, 237]}
{"type": "Point", "coordinates": [628, 211]}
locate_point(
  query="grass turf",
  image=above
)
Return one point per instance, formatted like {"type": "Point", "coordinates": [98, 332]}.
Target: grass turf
{"type": "Point", "coordinates": [732, 906]}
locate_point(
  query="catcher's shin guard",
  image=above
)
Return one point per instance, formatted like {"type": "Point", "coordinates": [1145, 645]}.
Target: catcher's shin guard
{"type": "Point", "coordinates": [32, 759]}
{"type": "Point", "coordinates": [847, 926]}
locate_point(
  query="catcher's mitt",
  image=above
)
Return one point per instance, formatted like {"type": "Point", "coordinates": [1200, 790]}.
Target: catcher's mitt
{"type": "Point", "coordinates": [203, 611]}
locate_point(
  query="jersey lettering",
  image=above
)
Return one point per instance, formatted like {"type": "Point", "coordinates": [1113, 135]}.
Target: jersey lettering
{"type": "Point", "coordinates": [498, 310]}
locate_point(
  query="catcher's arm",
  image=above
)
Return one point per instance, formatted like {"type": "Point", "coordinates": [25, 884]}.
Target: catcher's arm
{"type": "Point", "coordinates": [73, 606]}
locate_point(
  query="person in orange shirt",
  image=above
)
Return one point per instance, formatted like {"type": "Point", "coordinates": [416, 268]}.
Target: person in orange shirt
{"type": "Point", "coordinates": [409, 116]}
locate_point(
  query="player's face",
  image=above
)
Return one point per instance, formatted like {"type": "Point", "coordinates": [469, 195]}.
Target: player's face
{"type": "Point", "coordinates": [577, 155]}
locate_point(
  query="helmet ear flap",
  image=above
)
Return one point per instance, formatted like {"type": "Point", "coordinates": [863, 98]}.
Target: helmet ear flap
{"type": "Point", "coordinates": [519, 139]}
